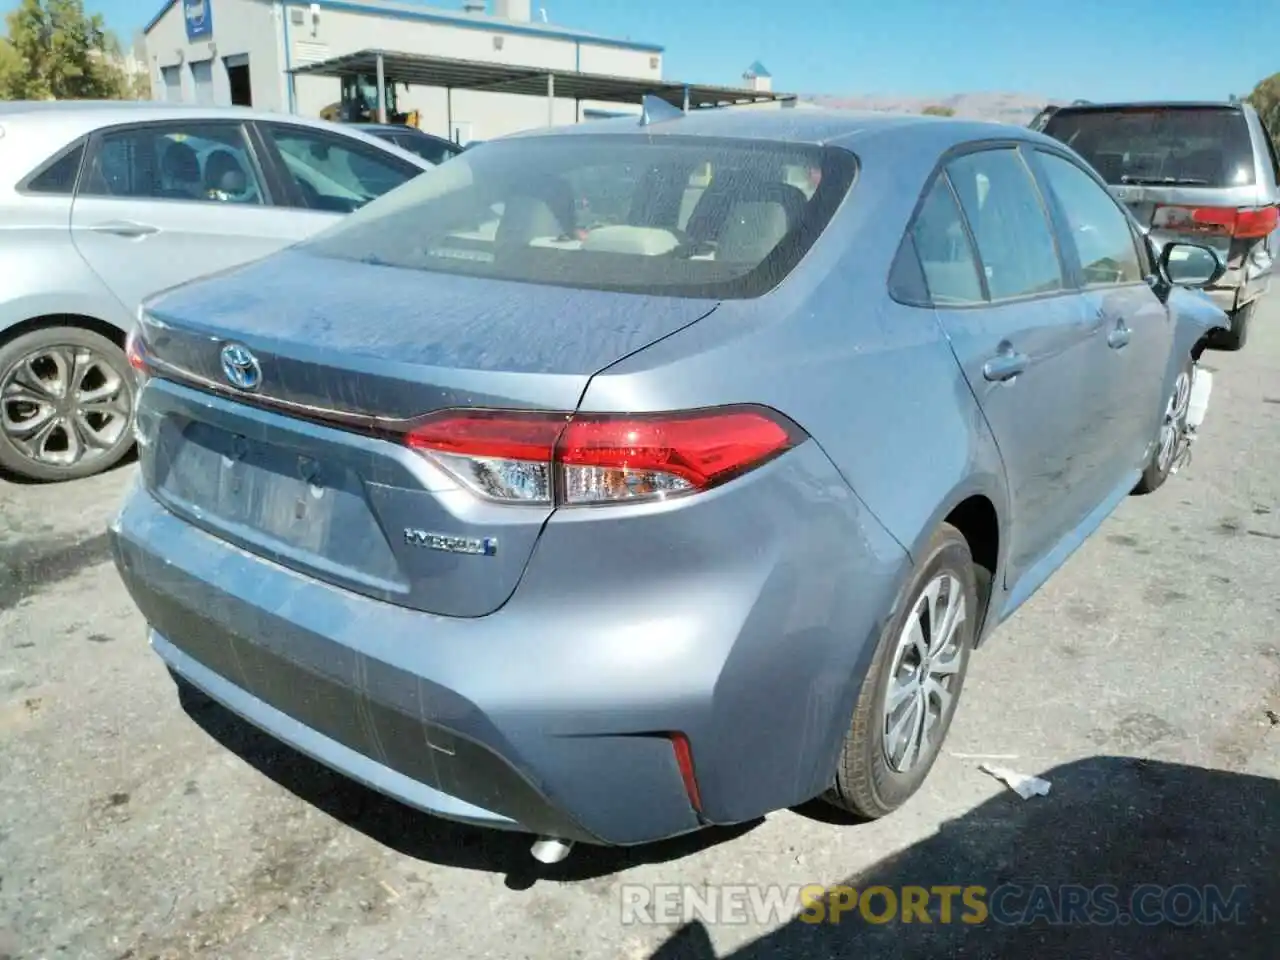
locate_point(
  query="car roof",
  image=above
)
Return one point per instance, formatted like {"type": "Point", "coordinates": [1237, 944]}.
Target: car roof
{"type": "Point", "coordinates": [75, 118]}
{"type": "Point", "coordinates": [848, 128]}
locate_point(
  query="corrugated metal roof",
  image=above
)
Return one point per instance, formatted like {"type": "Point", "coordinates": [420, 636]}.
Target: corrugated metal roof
{"type": "Point", "coordinates": [456, 18]}
{"type": "Point", "coordinates": [421, 70]}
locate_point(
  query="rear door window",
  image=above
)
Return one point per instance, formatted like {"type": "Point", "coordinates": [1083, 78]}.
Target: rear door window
{"type": "Point", "coordinates": [174, 161]}
{"type": "Point", "coordinates": [1009, 222]}
{"type": "Point", "coordinates": [1192, 146]}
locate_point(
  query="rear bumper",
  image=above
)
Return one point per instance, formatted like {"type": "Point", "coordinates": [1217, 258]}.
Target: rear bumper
{"type": "Point", "coordinates": [549, 716]}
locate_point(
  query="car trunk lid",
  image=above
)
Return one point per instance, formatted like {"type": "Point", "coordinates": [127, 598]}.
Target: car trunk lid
{"type": "Point", "coordinates": [308, 467]}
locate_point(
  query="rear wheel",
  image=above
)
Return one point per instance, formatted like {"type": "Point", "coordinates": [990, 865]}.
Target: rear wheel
{"type": "Point", "coordinates": [1235, 338]}
{"type": "Point", "coordinates": [909, 695]}
{"type": "Point", "coordinates": [1172, 437]}
{"type": "Point", "coordinates": [66, 404]}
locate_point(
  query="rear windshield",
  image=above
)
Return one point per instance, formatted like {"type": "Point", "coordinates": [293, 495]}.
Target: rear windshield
{"type": "Point", "coordinates": [677, 216]}
{"type": "Point", "coordinates": [1195, 146]}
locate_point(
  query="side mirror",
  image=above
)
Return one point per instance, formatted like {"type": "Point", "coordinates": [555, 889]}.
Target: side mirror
{"type": "Point", "coordinates": [1191, 265]}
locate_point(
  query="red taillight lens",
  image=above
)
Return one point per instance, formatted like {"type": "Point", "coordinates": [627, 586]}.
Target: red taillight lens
{"type": "Point", "coordinates": [1257, 223]}
{"type": "Point", "coordinates": [544, 458]}
{"type": "Point", "coordinates": [684, 760]}
{"type": "Point", "coordinates": [502, 455]}
{"type": "Point", "coordinates": [1218, 221]}
{"type": "Point", "coordinates": [135, 351]}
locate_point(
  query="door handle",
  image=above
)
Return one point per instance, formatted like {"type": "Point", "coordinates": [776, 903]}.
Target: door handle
{"type": "Point", "coordinates": [125, 228]}
{"type": "Point", "coordinates": [1005, 365]}
{"type": "Point", "coordinates": [1118, 337]}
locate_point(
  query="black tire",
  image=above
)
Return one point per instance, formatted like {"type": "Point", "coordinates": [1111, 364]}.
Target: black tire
{"type": "Point", "coordinates": [866, 783]}
{"type": "Point", "coordinates": [1157, 472]}
{"type": "Point", "coordinates": [1238, 335]}
{"type": "Point", "coordinates": [118, 432]}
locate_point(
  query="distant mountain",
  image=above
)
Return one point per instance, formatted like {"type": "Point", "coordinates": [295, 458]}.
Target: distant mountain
{"type": "Point", "coordinates": [1015, 108]}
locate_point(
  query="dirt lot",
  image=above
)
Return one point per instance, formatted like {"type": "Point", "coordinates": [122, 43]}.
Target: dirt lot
{"type": "Point", "coordinates": [132, 826]}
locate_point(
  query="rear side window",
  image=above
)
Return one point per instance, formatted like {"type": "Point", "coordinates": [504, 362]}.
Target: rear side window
{"type": "Point", "coordinates": [59, 177]}
{"type": "Point", "coordinates": [1010, 225]}
{"type": "Point", "coordinates": [1195, 146]}
{"type": "Point", "coordinates": [942, 244]}
{"type": "Point", "coordinates": [670, 215]}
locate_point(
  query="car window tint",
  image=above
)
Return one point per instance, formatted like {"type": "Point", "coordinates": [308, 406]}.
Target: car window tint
{"type": "Point", "coordinates": [60, 176]}
{"type": "Point", "coordinates": [1271, 138]}
{"type": "Point", "coordinates": [174, 161]}
{"type": "Point", "coordinates": [1204, 146]}
{"type": "Point", "coordinates": [1099, 231]}
{"type": "Point", "coordinates": [1009, 223]}
{"type": "Point", "coordinates": [433, 151]}
{"type": "Point", "coordinates": [946, 256]}
{"type": "Point", "coordinates": [607, 211]}
{"type": "Point", "coordinates": [335, 173]}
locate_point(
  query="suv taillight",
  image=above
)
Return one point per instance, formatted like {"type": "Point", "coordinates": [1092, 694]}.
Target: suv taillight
{"type": "Point", "coordinates": [1245, 223]}
{"type": "Point", "coordinates": [577, 459]}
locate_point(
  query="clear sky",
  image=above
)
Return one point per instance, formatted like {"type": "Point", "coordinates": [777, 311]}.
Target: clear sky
{"type": "Point", "coordinates": [1095, 49]}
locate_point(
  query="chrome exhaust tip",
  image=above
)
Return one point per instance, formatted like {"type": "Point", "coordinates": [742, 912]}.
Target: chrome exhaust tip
{"type": "Point", "coordinates": [550, 850]}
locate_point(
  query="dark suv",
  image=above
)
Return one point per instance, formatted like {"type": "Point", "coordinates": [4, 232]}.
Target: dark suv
{"type": "Point", "coordinates": [1204, 173]}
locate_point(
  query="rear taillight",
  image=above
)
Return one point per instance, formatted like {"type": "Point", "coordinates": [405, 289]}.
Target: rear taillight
{"type": "Point", "coordinates": [684, 760]}
{"type": "Point", "coordinates": [1241, 222]}
{"type": "Point", "coordinates": [575, 459]}
{"type": "Point", "coordinates": [135, 350]}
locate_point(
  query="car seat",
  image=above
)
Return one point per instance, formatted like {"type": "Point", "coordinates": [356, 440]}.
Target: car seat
{"type": "Point", "coordinates": [224, 176]}
{"type": "Point", "coordinates": [180, 169]}
{"type": "Point", "coordinates": [542, 209]}
{"type": "Point", "coordinates": [758, 220]}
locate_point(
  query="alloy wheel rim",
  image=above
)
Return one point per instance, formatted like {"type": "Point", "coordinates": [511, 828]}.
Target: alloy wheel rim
{"type": "Point", "coordinates": [923, 674]}
{"type": "Point", "coordinates": [1175, 414]}
{"type": "Point", "coordinates": [63, 405]}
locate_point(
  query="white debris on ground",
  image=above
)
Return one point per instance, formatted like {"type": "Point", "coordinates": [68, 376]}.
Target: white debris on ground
{"type": "Point", "coordinates": [1023, 784]}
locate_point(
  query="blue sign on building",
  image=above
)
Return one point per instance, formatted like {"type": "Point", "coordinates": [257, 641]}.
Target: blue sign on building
{"type": "Point", "coordinates": [199, 17]}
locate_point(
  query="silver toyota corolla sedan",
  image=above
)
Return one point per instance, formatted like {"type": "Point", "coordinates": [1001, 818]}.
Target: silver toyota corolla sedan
{"type": "Point", "coordinates": [104, 203]}
{"type": "Point", "coordinates": [620, 480]}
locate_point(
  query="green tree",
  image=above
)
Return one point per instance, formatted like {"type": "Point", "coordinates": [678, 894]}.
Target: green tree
{"type": "Point", "coordinates": [55, 50]}
{"type": "Point", "coordinates": [1266, 100]}
{"type": "Point", "coordinates": [937, 110]}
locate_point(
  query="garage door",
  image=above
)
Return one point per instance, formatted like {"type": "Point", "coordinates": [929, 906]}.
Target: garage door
{"type": "Point", "coordinates": [172, 78]}
{"type": "Point", "coordinates": [202, 74]}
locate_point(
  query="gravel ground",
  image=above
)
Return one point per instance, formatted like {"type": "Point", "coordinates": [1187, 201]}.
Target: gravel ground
{"type": "Point", "coordinates": [1143, 682]}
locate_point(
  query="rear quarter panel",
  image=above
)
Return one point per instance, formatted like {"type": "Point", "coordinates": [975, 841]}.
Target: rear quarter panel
{"type": "Point", "coordinates": [873, 381]}
{"type": "Point", "coordinates": [43, 275]}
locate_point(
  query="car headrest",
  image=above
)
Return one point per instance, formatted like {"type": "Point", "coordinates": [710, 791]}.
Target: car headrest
{"type": "Point", "coordinates": [525, 218]}
{"type": "Point", "coordinates": [751, 231]}
{"type": "Point", "coordinates": [180, 163]}
{"type": "Point", "coordinates": [223, 172]}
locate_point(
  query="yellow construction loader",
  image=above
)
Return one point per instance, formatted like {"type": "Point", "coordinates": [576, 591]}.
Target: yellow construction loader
{"type": "Point", "coordinates": [359, 103]}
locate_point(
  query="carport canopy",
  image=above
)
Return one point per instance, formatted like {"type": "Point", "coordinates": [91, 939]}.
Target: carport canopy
{"type": "Point", "coordinates": [427, 71]}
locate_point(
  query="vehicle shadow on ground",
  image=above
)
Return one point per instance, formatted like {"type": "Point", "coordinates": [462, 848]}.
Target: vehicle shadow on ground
{"type": "Point", "coordinates": [416, 834]}
{"type": "Point", "coordinates": [1107, 821]}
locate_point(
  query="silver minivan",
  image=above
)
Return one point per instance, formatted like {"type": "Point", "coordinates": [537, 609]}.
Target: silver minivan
{"type": "Point", "coordinates": [1205, 173]}
{"type": "Point", "coordinates": [103, 204]}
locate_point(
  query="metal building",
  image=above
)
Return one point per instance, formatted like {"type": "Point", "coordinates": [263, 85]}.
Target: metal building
{"type": "Point", "coordinates": [467, 73]}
